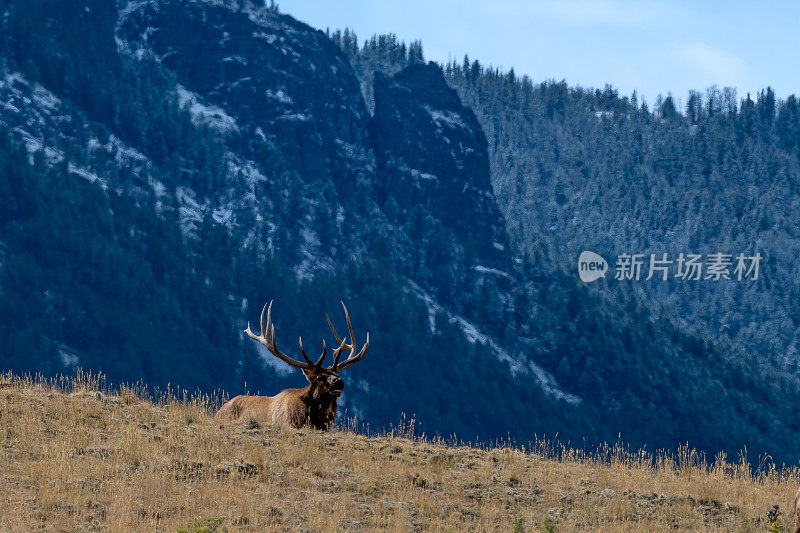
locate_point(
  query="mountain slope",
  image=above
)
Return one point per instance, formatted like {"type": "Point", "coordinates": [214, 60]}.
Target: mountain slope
{"type": "Point", "coordinates": [569, 177]}
{"type": "Point", "coordinates": [187, 161]}
{"type": "Point", "coordinates": [720, 178]}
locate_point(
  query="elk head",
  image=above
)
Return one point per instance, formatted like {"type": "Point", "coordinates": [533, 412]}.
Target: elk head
{"type": "Point", "coordinates": [325, 383]}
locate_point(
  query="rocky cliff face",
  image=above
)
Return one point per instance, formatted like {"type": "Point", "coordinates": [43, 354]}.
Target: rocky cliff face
{"type": "Point", "coordinates": [277, 83]}
{"type": "Point", "coordinates": [432, 152]}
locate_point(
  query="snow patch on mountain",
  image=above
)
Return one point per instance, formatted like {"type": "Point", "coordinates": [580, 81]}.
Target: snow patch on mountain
{"type": "Point", "coordinates": [45, 99]}
{"type": "Point", "coordinates": [451, 119]}
{"type": "Point", "coordinates": [27, 108]}
{"type": "Point", "coordinates": [280, 368]}
{"type": "Point", "coordinates": [313, 260]}
{"type": "Point", "coordinates": [69, 358]}
{"type": "Point", "coordinates": [475, 336]}
{"type": "Point", "coordinates": [280, 96]}
{"type": "Point", "coordinates": [89, 176]}
{"type": "Point", "coordinates": [122, 152]}
{"type": "Point", "coordinates": [248, 170]}
{"type": "Point", "coordinates": [125, 8]}
{"type": "Point", "coordinates": [493, 271]}
{"type": "Point", "coordinates": [223, 216]}
{"type": "Point", "coordinates": [418, 175]}
{"type": "Point", "coordinates": [298, 117]}
{"type": "Point", "coordinates": [51, 155]}
{"type": "Point", "coordinates": [190, 212]}
{"type": "Point", "coordinates": [210, 115]}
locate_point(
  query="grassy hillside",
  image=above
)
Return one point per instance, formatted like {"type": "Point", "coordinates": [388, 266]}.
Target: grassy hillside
{"type": "Point", "coordinates": [78, 459]}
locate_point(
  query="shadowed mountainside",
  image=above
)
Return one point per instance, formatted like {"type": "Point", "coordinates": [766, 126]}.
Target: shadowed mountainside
{"type": "Point", "coordinates": [181, 163]}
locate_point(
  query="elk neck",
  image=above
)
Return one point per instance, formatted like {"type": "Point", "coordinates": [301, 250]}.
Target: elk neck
{"type": "Point", "coordinates": [321, 406]}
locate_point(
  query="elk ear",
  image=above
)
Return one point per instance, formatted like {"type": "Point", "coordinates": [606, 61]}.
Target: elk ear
{"type": "Point", "coordinates": [307, 374]}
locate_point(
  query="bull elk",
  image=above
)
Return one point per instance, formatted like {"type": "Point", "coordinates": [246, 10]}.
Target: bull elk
{"type": "Point", "coordinates": [313, 405]}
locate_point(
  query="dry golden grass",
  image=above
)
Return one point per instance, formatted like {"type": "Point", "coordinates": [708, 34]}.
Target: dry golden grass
{"type": "Point", "coordinates": [75, 459]}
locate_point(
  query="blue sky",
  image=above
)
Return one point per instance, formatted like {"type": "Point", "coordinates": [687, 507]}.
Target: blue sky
{"type": "Point", "coordinates": [653, 47]}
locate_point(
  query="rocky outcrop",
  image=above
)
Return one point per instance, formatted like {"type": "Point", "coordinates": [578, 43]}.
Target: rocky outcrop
{"type": "Point", "coordinates": [431, 151]}
{"type": "Point", "coordinates": [278, 82]}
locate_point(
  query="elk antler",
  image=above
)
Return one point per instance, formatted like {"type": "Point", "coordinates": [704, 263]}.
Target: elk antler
{"type": "Point", "coordinates": [321, 357]}
{"type": "Point", "coordinates": [342, 345]}
{"type": "Point", "coordinates": [352, 358]}
{"type": "Point", "coordinates": [269, 342]}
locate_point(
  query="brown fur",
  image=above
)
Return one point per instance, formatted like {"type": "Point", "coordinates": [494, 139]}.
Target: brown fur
{"type": "Point", "coordinates": [314, 405]}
